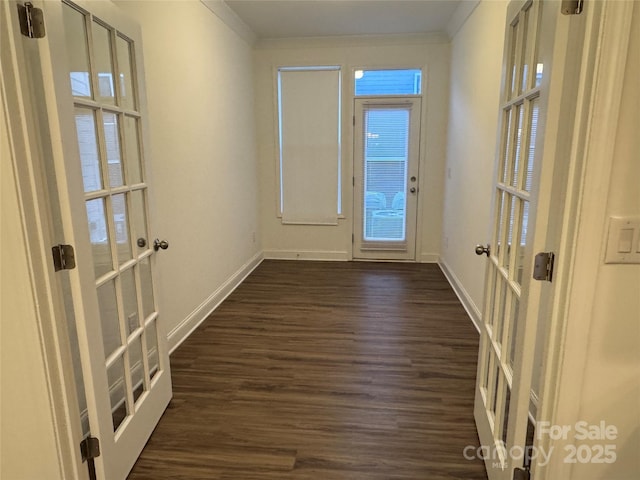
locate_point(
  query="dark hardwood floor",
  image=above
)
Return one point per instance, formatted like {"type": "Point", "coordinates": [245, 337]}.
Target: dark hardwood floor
{"type": "Point", "coordinates": [324, 371]}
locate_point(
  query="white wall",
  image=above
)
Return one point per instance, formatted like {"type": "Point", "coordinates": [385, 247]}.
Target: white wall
{"type": "Point", "coordinates": [334, 242]}
{"type": "Point", "coordinates": [476, 63]}
{"type": "Point", "coordinates": [203, 156]}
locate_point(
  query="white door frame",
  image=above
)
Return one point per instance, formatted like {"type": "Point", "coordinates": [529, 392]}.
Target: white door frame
{"type": "Point", "coordinates": [18, 109]}
{"type": "Point", "coordinates": [583, 223]}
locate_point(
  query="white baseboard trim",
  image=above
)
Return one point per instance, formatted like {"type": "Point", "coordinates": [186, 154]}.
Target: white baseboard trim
{"type": "Point", "coordinates": [182, 331]}
{"type": "Point", "coordinates": [469, 305]}
{"type": "Point", "coordinates": [326, 255]}
{"type": "Point", "coordinates": [429, 258]}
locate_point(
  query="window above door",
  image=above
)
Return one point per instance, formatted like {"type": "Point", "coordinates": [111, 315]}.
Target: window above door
{"type": "Point", "coordinates": [388, 82]}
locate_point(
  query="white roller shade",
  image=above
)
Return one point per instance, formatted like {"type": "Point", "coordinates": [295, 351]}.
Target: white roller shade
{"type": "Point", "coordinates": [309, 118]}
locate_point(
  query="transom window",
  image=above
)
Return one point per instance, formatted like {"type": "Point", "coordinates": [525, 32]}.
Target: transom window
{"type": "Point", "coordinates": [388, 82]}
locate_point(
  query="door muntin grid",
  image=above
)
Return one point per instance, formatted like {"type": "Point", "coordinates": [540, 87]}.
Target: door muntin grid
{"type": "Point", "coordinates": [104, 89]}
{"type": "Point", "coordinates": [520, 108]}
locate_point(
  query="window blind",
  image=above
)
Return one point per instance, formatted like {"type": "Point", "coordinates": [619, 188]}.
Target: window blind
{"type": "Point", "coordinates": [386, 155]}
{"type": "Point", "coordinates": [309, 138]}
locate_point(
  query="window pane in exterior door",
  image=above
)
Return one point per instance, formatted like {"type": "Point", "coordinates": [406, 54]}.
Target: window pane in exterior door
{"type": "Point", "coordinates": [132, 150]}
{"type": "Point", "coordinates": [88, 147]}
{"type": "Point", "coordinates": [112, 143]}
{"type": "Point", "coordinates": [127, 95]}
{"type": "Point", "coordinates": [129, 300]}
{"type": "Point", "coordinates": [117, 392]}
{"type": "Point", "coordinates": [99, 235]}
{"type": "Point", "coordinates": [78, 52]}
{"type": "Point", "coordinates": [385, 172]}
{"type": "Point", "coordinates": [103, 64]}
{"type": "Point", "coordinates": [109, 317]}
{"type": "Point", "coordinates": [121, 222]}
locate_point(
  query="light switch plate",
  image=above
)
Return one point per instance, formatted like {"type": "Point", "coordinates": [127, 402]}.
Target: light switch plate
{"type": "Point", "coordinates": [623, 230]}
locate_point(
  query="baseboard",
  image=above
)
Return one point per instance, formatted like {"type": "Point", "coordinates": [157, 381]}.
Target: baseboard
{"type": "Point", "coordinates": [326, 255]}
{"type": "Point", "coordinates": [182, 331]}
{"type": "Point", "coordinates": [429, 258]}
{"type": "Point", "coordinates": [469, 305]}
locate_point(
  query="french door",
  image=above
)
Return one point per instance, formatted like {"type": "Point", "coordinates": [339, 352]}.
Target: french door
{"type": "Point", "coordinates": [90, 63]}
{"type": "Point", "coordinates": [386, 157]}
{"type": "Point", "coordinates": [506, 401]}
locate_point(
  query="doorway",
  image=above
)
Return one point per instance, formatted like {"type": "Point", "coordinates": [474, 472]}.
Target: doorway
{"type": "Point", "coordinates": [386, 157]}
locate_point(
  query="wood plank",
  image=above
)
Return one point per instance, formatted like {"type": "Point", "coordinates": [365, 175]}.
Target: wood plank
{"type": "Point", "coordinates": [324, 370]}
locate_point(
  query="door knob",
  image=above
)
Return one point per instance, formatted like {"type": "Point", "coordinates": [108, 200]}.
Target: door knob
{"type": "Point", "coordinates": [481, 249]}
{"type": "Point", "coordinates": [412, 189]}
{"type": "Point", "coordinates": [142, 242]}
{"type": "Point", "coordinates": [160, 244]}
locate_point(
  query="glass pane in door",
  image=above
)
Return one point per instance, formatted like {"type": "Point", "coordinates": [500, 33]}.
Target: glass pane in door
{"type": "Point", "coordinates": [146, 287]}
{"type": "Point", "coordinates": [132, 150]}
{"type": "Point", "coordinates": [77, 50]}
{"type": "Point", "coordinates": [152, 349]}
{"type": "Point", "coordinates": [117, 392]}
{"type": "Point", "coordinates": [138, 220]}
{"type": "Point", "coordinates": [386, 156]}
{"type": "Point", "coordinates": [129, 301]}
{"type": "Point", "coordinates": [110, 123]}
{"type": "Point", "coordinates": [137, 368]}
{"type": "Point", "coordinates": [99, 236]}
{"type": "Point", "coordinates": [123, 50]}
{"type": "Point", "coordinates": [88, 146]}
{"type": "Point", "coordinates": [109, 317]}
{"type": "Point", "coordinates": [121, 221]}
{"type": "Point", "coordinates": [103, 63]}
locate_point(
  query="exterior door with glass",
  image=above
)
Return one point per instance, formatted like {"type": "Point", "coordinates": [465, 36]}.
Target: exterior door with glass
{"type": "Point", "coordinates": [93, 86]}
{"type": "Point", "coordinates": [386, 157]}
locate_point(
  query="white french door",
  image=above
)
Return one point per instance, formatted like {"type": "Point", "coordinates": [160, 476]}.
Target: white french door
{"type": "Point", "coordinates": [94, 105]}
{"type": "Point", "coordinates": [386, 157]}
{"type": "Point", "coordinates": [506, 401]}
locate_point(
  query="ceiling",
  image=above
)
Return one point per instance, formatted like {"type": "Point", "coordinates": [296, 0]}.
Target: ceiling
{"type": "Point", "coordinates": [319, 18]}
